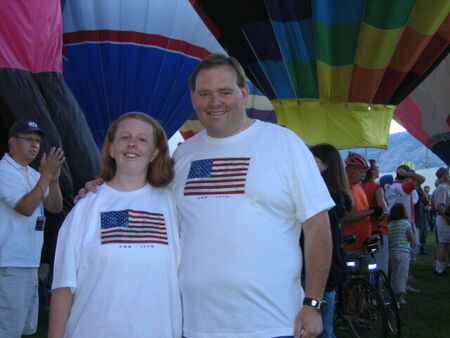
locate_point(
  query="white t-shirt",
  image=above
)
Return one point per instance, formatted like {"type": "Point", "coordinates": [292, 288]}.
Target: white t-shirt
{"type": "Point", "coordinates": [126, 287]}
{"type": "Point", "coordinates": [397, 194]}
{"type": "Point", "coordinates": [442, 196]}
{"type": "Point", "coordinates": [240, 201]}
{"type": "Point", "coordinates": [20, 243]}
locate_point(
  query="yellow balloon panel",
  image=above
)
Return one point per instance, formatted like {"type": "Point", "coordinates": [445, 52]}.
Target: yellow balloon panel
{"type": "Point", "coordinates": [334, 81]}
{"type": "Point", "coordinates": [428, 15]}
{"type": "Point", "coordinates": [345, 125]}
{"type": "Point", "coordinates": [376, 46]}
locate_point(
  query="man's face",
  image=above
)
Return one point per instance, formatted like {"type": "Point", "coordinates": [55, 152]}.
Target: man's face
{"type": "Point", "coordinates": [219, 102]}
{"type": "Point", "coordinates": [25, 147]}
{"type": "Point", "coordinates": [426, 189]}
{"type": "Point", "coordinates": [355, 175]}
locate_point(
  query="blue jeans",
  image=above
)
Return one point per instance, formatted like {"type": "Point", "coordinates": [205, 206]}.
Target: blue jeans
{"type": "Point", "coordinates": [328, 315]}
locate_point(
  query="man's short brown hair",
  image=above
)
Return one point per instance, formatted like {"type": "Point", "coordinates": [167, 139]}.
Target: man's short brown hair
{"type": "Point", "coordinates": [217, 60]}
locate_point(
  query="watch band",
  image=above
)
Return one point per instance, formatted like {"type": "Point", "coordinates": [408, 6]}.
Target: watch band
{"type": "Point", "coordinates": [319, 304]}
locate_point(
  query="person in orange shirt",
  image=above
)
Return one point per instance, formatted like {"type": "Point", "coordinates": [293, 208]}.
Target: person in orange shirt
{"type": "Point", "coordinates": [357, 221]}
{"type": "Point", "coordinates": [375, 197]}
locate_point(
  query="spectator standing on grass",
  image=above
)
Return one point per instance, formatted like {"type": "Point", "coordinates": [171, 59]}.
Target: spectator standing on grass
{"type": "Point", "coordinates": [24, 193]}
{"type": "Point", "coordinates": [403, 191]}
{"type": "Point", "coordinates": [442, 202]}
{"type": "Point", "coordinates": [357, 221]}
{"type": "Point", "coordinates": [429, 217]}
{"type": "Point", "coordinates": [375, 197]}
{"type": "Point", "coordinates": [401, 235]}
{"type": "Point", "coordinates": [332, 169]}
{"type": "Point", "coordinates": [421, 222]}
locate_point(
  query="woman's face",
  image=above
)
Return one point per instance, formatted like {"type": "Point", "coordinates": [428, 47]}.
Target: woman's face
{"type": "Point", "coordinates": [320, 164]}
{"type": "Point", "coordinates": [133, 147]}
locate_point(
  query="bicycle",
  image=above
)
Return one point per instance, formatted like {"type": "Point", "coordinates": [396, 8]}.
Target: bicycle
{"type": "Point", "coordinates": [365, 305]}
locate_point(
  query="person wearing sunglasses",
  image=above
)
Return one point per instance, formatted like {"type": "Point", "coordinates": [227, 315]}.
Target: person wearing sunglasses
{"type": "Point", "coordinates": [24, 193]}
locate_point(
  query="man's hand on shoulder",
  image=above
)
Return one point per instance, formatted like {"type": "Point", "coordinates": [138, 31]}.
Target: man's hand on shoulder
{"type": "Point", "coordinates": [90, 186]}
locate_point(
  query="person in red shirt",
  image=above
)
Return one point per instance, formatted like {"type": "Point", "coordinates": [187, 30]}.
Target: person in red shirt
{"type": "Point", "coordinates": [357, 221]}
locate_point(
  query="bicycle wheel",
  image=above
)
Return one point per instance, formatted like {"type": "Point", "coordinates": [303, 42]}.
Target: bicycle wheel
{"type": "Point", "coordinates": [340, 325]}
{"type": "Point", "coordinates": [392, 314]}
{"type": "Point", "coordinates": [363, 309]}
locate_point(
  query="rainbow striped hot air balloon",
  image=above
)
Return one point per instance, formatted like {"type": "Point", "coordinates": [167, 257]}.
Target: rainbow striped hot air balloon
{"type": "Point", "coordinates": [333, 69]}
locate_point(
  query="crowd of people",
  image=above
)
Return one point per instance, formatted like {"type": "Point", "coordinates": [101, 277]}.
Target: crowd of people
{"type": "Point", "coordinates": [205, 244]}
{"type": "Point", "coordinates": [403, 212]}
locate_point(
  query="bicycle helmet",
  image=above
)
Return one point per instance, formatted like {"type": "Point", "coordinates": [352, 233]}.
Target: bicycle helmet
{"type": "Point", "coordinates": [356, 160]}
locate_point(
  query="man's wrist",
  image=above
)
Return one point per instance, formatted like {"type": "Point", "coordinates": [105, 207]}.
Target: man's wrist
{"type": "Point", "coordinates": [41, 189]}
{"type": "Point", "coordinates": [319, 304]}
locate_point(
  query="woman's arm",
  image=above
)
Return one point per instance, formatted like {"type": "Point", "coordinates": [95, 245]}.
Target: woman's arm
{"type": "Point", "coordinates": [410, 235]}
{"type": "Point", "coordinates": [60, 306]}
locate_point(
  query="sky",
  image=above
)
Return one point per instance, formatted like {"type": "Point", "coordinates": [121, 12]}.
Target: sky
{"type": "Point", "coordinates": [395, 127]}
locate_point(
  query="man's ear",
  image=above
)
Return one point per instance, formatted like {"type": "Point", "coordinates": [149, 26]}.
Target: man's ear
{"type": "Point", "coordinates": [245, 93]}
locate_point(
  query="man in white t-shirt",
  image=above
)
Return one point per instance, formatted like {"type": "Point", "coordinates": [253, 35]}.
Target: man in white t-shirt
{"type": "Point", "coordinates": [23, 194]}
{"type": "Point", "coordinates": [244, 189]}
{"type": "Point", "coordinates": [403, 190]}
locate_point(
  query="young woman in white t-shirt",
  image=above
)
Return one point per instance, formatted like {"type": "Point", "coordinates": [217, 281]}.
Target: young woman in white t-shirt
{"type": "Point", "coordinates": [115, 272]}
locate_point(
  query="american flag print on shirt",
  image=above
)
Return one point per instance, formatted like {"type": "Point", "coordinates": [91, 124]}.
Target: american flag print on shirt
{"type": "Point", "coordinates": [133, 227]}
{"type": "Point", "coordinates": [218, 176]}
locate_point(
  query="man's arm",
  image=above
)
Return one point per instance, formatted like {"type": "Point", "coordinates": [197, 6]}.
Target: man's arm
{"type": "Point", "coordinates": [54, 202]}
{"type": "Point", "coordinates": [317, 255]}
{"type": "Point", "coordinates": [60, 306]}
{"type": "Point", "coordinates": [50, 170]}
{"type": "Point", "coordinates": [418, 179]}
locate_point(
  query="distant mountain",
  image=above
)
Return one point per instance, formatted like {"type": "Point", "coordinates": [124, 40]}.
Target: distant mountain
{"type": "Point", "coordinates": [402, 147]}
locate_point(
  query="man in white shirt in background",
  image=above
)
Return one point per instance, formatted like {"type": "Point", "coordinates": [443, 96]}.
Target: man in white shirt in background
{"type": "Point", "coordinates": [24, 193]}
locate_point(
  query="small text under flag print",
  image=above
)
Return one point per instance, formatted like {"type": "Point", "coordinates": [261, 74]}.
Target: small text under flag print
{"type": "Point", "coordinates": [218, 176]}
{"type": "Point", "coordinates": [133, 227]}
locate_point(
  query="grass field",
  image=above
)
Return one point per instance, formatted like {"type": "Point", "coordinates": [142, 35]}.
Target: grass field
{"type": "Point", "coordinates": [426, 315]}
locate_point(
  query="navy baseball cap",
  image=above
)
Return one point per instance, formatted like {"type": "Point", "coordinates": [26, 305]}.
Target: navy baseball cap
{"type": "Point", "coordinates": [25, 126]}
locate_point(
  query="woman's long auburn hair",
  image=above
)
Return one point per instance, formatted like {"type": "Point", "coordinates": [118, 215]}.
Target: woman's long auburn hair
{"type": "Point", "coordinates": [160, 171]}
